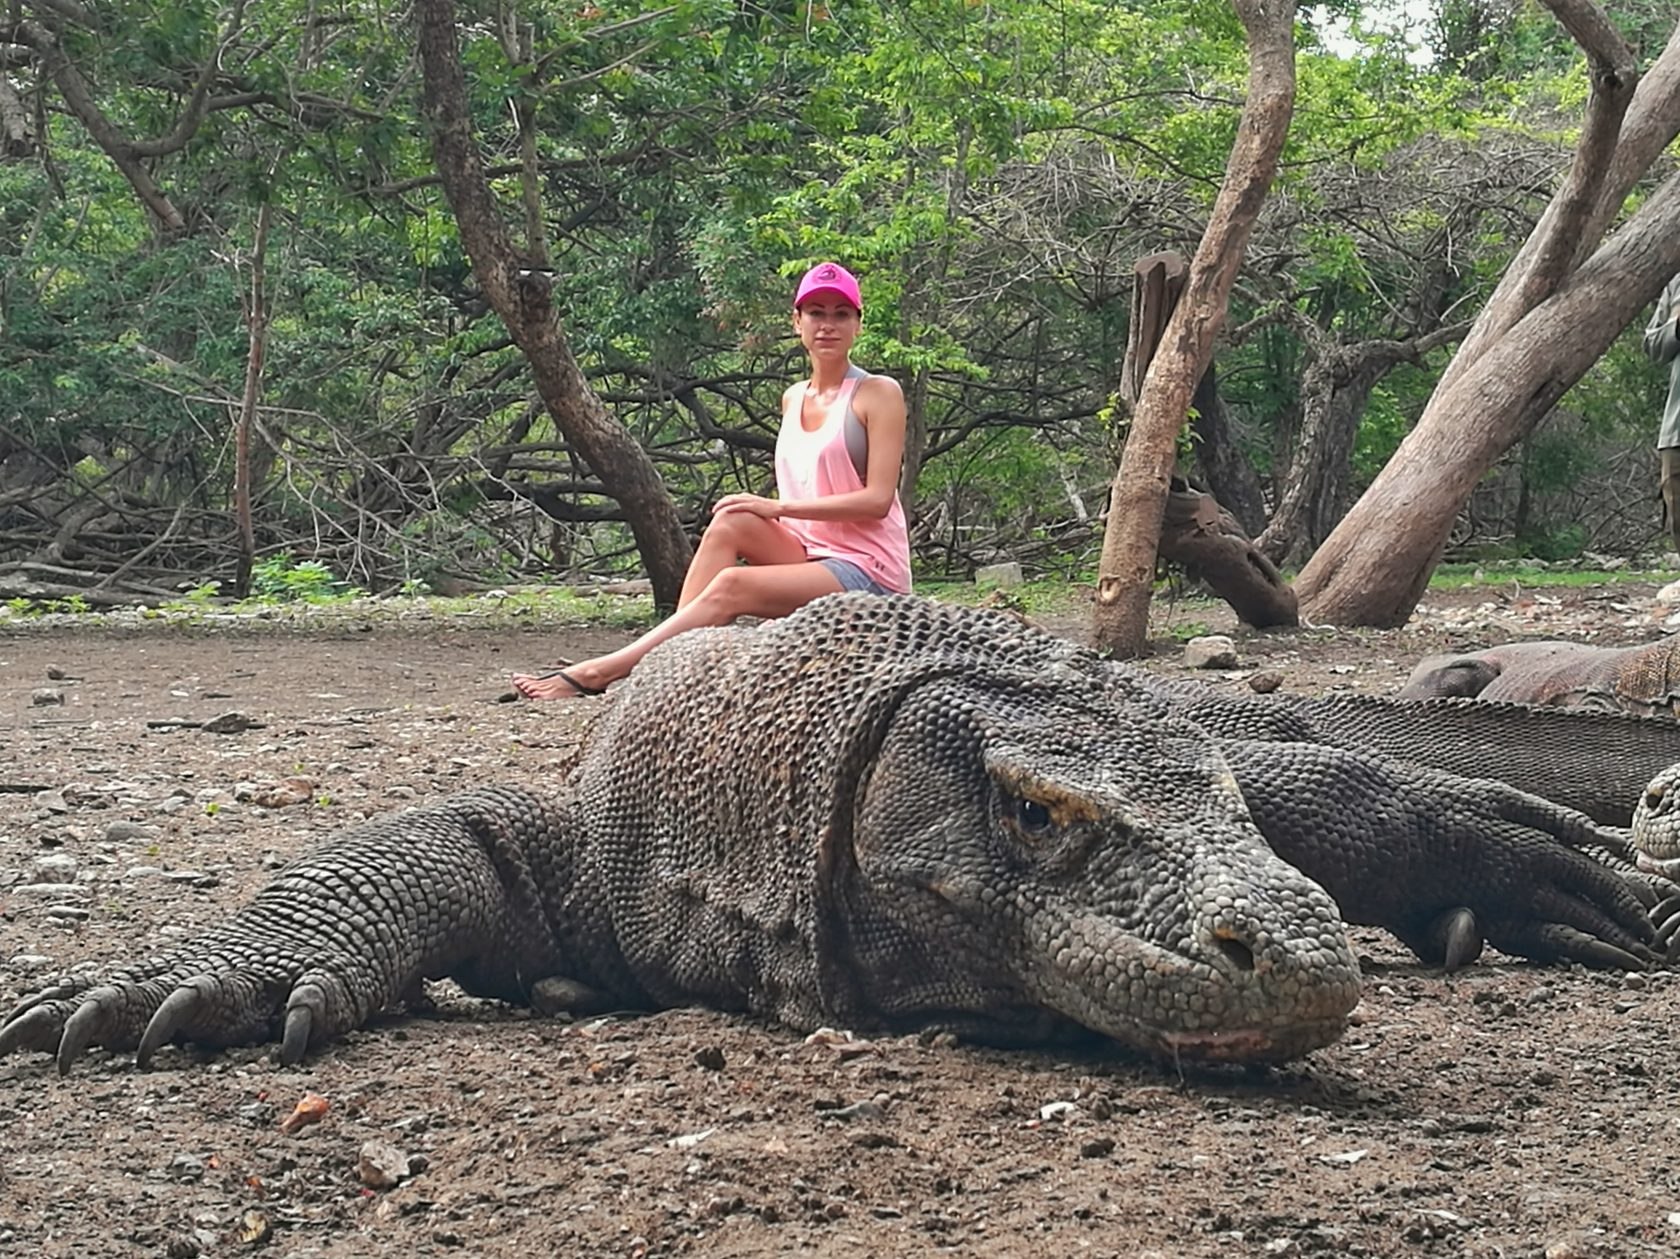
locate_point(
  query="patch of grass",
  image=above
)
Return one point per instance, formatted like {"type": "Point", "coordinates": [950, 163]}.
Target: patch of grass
{"type": "Point", "coordinates": [1184, 631]}
{"type": "Point", "coordinates": [1530, 573]}
{"type": "Point", "coordinates": [1039, 597]}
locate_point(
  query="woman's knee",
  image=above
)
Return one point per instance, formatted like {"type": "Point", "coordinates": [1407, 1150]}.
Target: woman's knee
{"type": "Point", "coordinates": [723, 536]}
{"type": "Point", "coordinates": [729, 593]}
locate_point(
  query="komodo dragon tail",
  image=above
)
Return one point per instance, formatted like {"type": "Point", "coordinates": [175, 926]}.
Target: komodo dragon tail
{"type": "Point", "coordinates": [1597, 762]}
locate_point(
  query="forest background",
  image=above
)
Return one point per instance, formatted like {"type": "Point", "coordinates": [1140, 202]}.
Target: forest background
{"type": "Point", "coordinates": [226, 245]}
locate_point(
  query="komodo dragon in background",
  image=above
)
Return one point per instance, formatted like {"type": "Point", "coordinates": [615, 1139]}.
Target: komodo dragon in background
{"type": "Point", "coordinates": [880, 812]}
{"type": "Point", "coordinates": [1643, 680]}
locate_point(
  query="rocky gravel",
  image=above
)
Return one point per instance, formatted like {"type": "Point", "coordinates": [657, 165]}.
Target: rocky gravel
{"type": "Point", "coordinates": [1509, 1110]}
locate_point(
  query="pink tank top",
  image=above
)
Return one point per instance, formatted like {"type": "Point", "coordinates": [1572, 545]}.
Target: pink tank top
{"type": "Point", "coordinates": [816, 465]}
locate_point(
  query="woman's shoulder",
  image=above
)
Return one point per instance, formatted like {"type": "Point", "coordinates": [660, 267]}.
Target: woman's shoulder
{"type": "Point", "coordinates": [880, 388]}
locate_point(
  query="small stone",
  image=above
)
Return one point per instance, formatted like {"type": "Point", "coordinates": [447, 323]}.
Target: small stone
{"type": "Point", "coordinates": [1005, 576]}
{"type": "Point", "coordinates": [709, 1059]}
{"type": "Point", "coordinates": [52, 801]}
{"type": "Point", "coordinates": [1632, 980]}
{"type": "Point", "coordinates": [1210, 651]}
{"type": "Point", "coordinates": [280, 795]}
{"type": "Point", "coordinates": [59, 863]}
{"type": "Point", "coordinates": [1543, 993]}
{"type": "Point", "coordinates": [49, 891]}
{"type": "Point", "coordinates": [689, 1139]}
{"type": "Point", "coordinates": [231, 723]}
{"type": "Point", "coordinates": [124, 832]}
{"type": "Point", "coordinates": [1265, 682]}
{"type": "Point", "coordinates": [55, 674]}
{"type": "Point", "coordinates": [558, 996]}
{"type": "Point", "coordinates": [866, 1109]}
{"type": "Point", "coordinates": [186, 1167]}
{"type": "Point", "coordinates": [197, 878]}
{"type": "Point", "coordinates": [380, 1165]}
{"type": "Point", "coordinates": [1097, 1147]}
{"type": "Point", "coordinates": [46, 697]}
{"type": "Point", "coordinates": [29, 961]}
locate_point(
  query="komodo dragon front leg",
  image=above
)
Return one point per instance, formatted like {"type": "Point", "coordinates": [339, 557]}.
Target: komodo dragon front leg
{"type": "Point", "coordinates": [339, 935]}
{"type": "Point", "coordinates": [1445, 862]}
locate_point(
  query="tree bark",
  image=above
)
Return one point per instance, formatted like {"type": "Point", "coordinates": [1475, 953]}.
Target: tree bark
{"type": "Point", "coordinates": [256, 324]}
{"type": "Point", "coordinates": [1334, 390]}
{"type": "Point", "coordinates": [1551, 318]}
{"type": "Point", "coordinates": [522, 298]}
{"type": "Point", "coordinates": [1204, 539]}
{"type": "Point", "coordinates": [1227, 470]}
{"type": "Point", "coordinates": [1139, 493]}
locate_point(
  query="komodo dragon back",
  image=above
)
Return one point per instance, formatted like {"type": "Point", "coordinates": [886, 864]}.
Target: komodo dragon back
{"type": "Point", "coordinates": [1644, 679]}
{"type": "Point", "coordinates": [886, 808]}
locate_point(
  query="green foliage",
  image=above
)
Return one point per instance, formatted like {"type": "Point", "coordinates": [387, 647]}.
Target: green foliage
{"type": "Point", "coordinates": [991, 170]}
{"type": "Point", "coordinates": [282, 579]}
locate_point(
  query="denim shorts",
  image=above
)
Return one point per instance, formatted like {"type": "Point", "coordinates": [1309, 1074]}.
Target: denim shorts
{"type": "Point", "coordinates": [851, 577]}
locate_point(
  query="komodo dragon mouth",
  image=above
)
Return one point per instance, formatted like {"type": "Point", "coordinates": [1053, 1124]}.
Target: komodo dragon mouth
{"type": "Point", "coordinates": [1251, 1044]}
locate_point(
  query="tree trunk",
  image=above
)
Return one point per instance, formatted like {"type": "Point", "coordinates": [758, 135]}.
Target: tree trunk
{"type": "Point", "coordinates": [522, 298]}
{"type": "Point", "coordinates": [1551, 318]}
{"type": "Point", "coordinates": [1139, 494]}
{"type": "Point", "coordinates": [1334, 390]}
{"type": "Point", "coordinates": [1228, 472]}
{"type": "Point", "coordinates": [256, 324]}
{"type": "Point", "coordinates": [1373, 568]}
{"type": "Point", "coordinates": [1206, 541]}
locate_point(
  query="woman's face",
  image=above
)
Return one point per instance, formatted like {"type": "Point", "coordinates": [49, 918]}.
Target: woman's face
{"type": "Point", "coordinates": [827, 326]}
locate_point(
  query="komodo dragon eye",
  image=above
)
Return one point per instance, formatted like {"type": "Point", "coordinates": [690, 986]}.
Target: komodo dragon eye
{"type": "Point", "coordinates": [1031, 816]}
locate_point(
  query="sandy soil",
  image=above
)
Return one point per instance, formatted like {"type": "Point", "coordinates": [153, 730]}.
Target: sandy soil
{"type": "Point", "coordinates": [1511, 1110]}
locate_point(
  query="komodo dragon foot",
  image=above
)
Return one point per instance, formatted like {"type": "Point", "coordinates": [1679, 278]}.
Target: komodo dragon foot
{"type": "Point", "coordinates": [1448, 863]}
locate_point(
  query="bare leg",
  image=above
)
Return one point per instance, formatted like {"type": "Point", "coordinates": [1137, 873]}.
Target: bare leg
{"type": "Point", "coordinates": [754, 590]}
{"type": "Point", "coordinates": [731, 538]}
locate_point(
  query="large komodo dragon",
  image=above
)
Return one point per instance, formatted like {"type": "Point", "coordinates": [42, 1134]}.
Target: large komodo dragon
{"type": "Point", "coordinates": [880, 812]}
{"type": "Point", "coordinates": [1559, 673]}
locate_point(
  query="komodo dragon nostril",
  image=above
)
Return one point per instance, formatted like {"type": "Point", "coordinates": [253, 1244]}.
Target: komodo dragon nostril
{"type": "Point", "coordinates": [1235, 951]}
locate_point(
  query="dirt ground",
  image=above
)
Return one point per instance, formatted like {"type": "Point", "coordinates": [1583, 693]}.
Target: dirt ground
{"type": "Point", "coordinates": [1510, 1110]}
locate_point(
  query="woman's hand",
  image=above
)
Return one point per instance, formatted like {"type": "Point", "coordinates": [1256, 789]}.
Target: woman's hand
{"type": "Point", "coordinates": [768, 508]}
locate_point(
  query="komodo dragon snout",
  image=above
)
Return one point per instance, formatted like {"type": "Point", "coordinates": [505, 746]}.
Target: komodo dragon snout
{"type": "Point", "coordinates": [1036, 851]}
{"type": "Point", "coordinates": [1656, 825]}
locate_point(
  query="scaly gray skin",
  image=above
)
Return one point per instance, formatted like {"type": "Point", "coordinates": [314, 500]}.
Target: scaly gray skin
{"type": "Point", "coordinates": [1643, 679]}
{"type": "Point", "coordinates": [883, 813]}
{"type": "Point", "coordinates": [1595, 762]}
{"type": "Point", "coordinates": [1656, 825]}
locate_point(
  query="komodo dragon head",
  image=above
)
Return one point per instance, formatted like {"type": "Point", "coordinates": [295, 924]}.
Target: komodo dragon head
{"type": "Point", "coordinates": [1656, 825]}
{"type": "Point", "coordinates": [1032, 843]}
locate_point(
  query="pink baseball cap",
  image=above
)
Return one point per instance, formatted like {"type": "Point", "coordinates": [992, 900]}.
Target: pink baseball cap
{"type": "Point", "coordinates": [828, 277]}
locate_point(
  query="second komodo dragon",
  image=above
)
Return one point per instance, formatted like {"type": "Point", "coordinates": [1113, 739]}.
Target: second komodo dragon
{"type": "Point", "coordinates": [880, 812]}
{"type": "Point", "coordinates": [1558, 673]}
